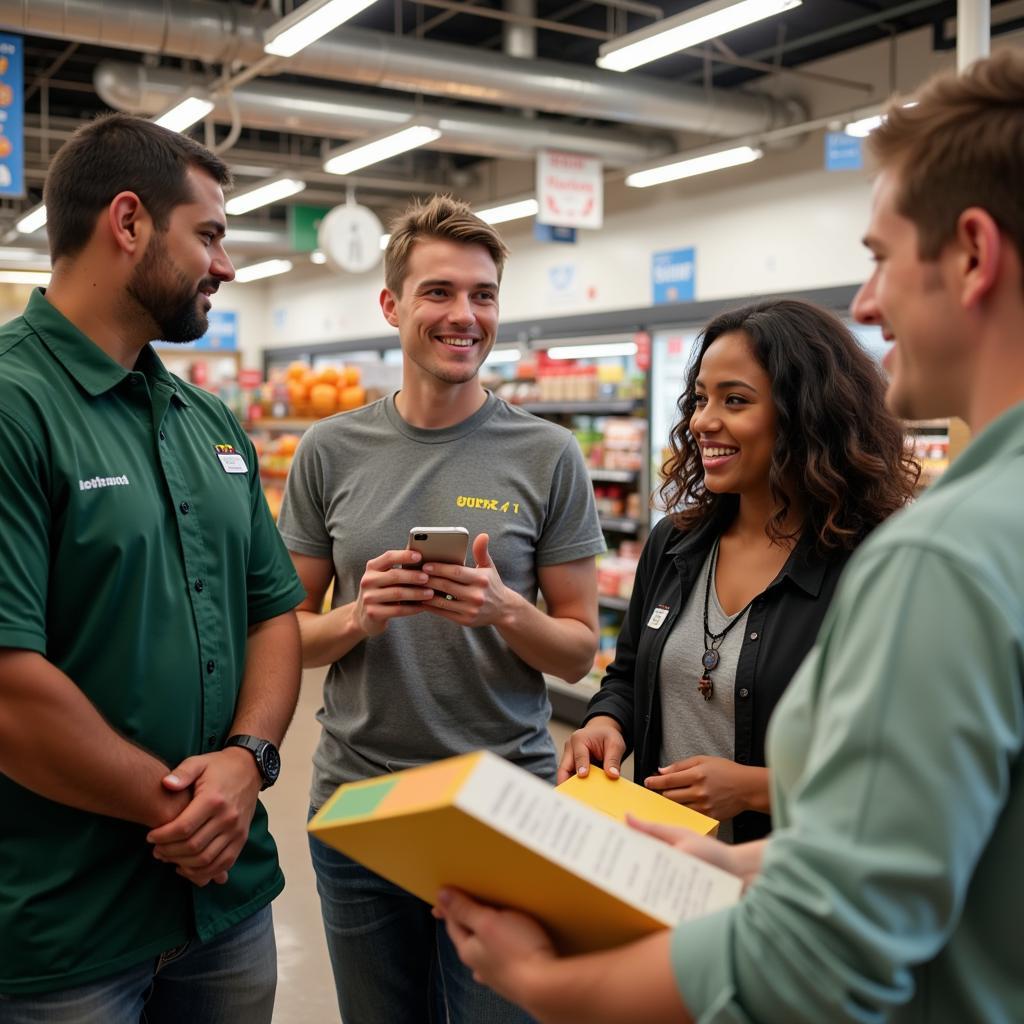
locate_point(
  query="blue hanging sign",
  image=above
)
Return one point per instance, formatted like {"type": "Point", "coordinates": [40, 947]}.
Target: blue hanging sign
{"type": "Point", "coordinates": [673, 275]}
{"type": "Point", "coordinates": [843, 152]}
{"type": "Point", "coordinates": [553, 233]}
{"type": "Point", "coordinates": [12, 117]}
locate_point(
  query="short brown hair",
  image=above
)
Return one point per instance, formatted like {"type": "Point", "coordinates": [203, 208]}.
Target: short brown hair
{"type": "Point", "coordinates": [439, 217]}
{"type": "Point", "coordinates": [117, 153]}
{"type": "Point", "coordinates": [960, 145]}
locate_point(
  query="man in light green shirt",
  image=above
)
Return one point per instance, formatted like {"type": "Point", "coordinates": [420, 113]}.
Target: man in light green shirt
{"type": "Point", "coordinates": [890, 889]}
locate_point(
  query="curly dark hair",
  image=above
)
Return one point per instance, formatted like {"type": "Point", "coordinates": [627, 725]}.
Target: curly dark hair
{"type": "Point", "coordinates": [836, 442]}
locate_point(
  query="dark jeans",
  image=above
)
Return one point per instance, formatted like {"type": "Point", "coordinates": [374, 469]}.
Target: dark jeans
{"type": "Point", "coordinates": [393, 962]}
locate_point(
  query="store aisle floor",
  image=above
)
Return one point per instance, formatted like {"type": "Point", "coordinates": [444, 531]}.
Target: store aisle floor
{"type": "Point", "coordinates": [305, 992]}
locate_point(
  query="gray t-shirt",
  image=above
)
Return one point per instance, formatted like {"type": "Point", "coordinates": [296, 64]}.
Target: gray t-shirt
{"type": "Point", "coordinates": [690, 725]}
{"type": "Point", "coordinates": [426, 688]}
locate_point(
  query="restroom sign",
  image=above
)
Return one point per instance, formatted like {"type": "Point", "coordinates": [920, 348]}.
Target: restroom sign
{"type": "Point", "coordinates": [570, 190]}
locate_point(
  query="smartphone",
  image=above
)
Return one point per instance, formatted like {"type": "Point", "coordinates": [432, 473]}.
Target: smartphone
{"type": "Point", "coordinates": [440, 543]}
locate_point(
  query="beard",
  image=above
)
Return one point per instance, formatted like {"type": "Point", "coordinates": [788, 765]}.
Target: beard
{"type": "Point", "coordinates": [169, 298]}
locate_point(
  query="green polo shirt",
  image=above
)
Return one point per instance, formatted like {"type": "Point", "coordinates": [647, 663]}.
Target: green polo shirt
{"type": "Point", "coordinates": [135, 551]}
{"type": "Point", "coordinates": [891, 890]}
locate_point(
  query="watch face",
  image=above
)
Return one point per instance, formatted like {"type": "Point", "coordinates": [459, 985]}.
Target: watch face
{"type": "Point", "coordinates": [271, 763]}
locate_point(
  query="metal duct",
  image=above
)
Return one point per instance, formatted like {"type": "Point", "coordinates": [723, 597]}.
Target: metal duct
{"type": "Point", "coordinates": [338, 114]}
{"type": "Point", "coordinates": [216, 32]}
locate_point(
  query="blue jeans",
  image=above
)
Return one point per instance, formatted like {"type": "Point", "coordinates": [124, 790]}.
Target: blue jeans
{"type": "Point", "coordinates": [229, 980]}
{"type": "Point", "coordinates": [393, 962]}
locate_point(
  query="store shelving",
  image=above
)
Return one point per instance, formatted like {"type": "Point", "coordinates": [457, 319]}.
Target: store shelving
{"type": "Point", "coordinates": [617, 604]}
{"type": "Point", "coordinates": [613, 476]}
{"type": "Point", "coordinates": [621, 524]}
{"type": "Point", "coordinates": [608, 407]}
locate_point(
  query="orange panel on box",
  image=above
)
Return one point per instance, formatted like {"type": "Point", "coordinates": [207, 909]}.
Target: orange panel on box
{"type": "Point", "coordinates": [430, 784]}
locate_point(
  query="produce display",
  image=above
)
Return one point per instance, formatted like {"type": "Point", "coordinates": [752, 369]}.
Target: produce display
{"type": "Point", "coordinates": [318, 393]}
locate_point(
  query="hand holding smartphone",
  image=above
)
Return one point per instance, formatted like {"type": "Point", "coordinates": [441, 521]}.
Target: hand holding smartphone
{"type": "Point", "coordinates": [440, 543]}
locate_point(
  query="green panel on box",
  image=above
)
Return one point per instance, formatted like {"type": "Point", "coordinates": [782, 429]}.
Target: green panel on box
{"type": "Point", "coordinates": [303, 222]}
{"type": "Point", "coordinates": [354, 803]}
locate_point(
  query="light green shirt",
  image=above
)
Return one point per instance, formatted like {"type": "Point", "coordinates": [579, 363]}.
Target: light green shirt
{"type": "Point", "coordinates": [891, 888]}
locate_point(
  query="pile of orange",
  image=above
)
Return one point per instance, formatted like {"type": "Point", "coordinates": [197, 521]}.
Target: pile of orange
{"type": "Point", "coordinates": [323, 392]}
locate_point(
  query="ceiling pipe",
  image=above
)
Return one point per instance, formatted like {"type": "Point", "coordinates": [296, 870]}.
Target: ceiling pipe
{"type": "Point", "coordinates": [520, 39]}
{"type": "Point", "coordinates": [312, 110]}
{"type": "Point", "coordinates": [223, 32]}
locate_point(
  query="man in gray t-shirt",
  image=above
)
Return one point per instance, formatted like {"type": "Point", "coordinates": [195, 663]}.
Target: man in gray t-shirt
{"type": "Point", "coordinates": [434, 660]}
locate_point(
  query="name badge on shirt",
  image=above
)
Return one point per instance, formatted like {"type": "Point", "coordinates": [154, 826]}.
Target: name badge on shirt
{"type": "Point", "coordinates": [658, 616]}
{"type": "Point", "coordinates": [230, 460]}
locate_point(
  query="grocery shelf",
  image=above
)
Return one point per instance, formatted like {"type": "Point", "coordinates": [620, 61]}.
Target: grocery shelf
{"type": "Point", "coordinates": [569, 701]}
{"type": "Point", "coordinates": [273, 423]}
{"type": "Point", "coordinates": [611, 407]}
{"type": "Point", "coordinates": [619, 604]}
{"type": "Point", "coordinates": [620, 524]}
{"type": "Point", "coordinates": [613, 476]}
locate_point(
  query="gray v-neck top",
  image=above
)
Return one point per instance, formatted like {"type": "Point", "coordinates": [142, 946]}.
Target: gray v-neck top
{"type": "Point", "coordinates": [691, 725]}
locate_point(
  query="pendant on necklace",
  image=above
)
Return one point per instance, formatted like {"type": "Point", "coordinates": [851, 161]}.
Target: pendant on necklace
{"type": "Point", "coordinates": [710, 660]}
{"type": "Point", "coordinates": [705, 686]}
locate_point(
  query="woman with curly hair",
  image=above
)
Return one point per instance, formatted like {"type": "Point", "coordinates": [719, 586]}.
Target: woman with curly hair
{"type": "Point", "coordinates": [783, 460]}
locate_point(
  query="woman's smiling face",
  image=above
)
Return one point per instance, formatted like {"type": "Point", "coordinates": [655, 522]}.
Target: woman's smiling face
{"type": "Point", "coordinates": [734, 422]}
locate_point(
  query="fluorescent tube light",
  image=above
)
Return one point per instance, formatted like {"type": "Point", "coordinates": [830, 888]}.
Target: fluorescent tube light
{"type": "Point", "coordinates": [863, 127]}
{"type": "Point", "coordinates": [613, 348]}
{"type": "Point", "coordinates": [13, 255]}
{"type": "Point", "coordinates": [262, 195]}
{"type": "Point", "coordinates": [509, 211]}
{"type": "Point", "coordinates": [384, 239]}
{"type": "Point", "coordinates": [257, 271]}
{"type": "Point", "coordinates": [503, 355]}
{"type": "Point", "coordinates": [361, 154]}
{"type": "Point", "coordinates": [25, 277]}
{"type": "Point", "coordinates": [193, 106]}
{"type": "Point", "coordinates": [32, 221]}
{"type": "Point", "coordinates": [694, 165]}
{"type": "Point", "coordinates": [689, 28]}
{"type": "Point", "coordinates": [307, 23]}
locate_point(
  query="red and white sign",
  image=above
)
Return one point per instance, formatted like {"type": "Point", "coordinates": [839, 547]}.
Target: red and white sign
{"type": "Point", "coordinates": [570, 190]}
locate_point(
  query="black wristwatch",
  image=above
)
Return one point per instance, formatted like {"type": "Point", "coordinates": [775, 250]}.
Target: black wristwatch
{"type": "Point", "coordinates": [268, 760]}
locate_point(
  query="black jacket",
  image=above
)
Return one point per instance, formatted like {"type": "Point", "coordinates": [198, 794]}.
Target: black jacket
{"type": "Point", "coordinates": [781, 629]}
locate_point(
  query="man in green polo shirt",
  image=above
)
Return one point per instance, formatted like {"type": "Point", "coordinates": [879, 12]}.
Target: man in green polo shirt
{"type": "Point", "coordinates": [890, 889]}
{"type": "Point", "coordinates": [149, 655]}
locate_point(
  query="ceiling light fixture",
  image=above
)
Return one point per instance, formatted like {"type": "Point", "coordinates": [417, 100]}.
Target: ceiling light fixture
{"type": "Point", "coordinates": [25, 277]}
{"type": "Point", "coordinates": [509, 211]}
{"type": "Point", "coordinates": [694, 165]}
{"type": "Point", "coordinates": [307, 23]}
{"type": "Point", "coordinates": [863, 127]}
{"type": "Point", "coordinates": [261, 195]}
{"type": "Point", "coordinates": [192, 106]}
{"type": "Point", "coordinates": [22, 256]}
{"type": "Point", "coordinates": [257, 271]}
{"type": "Point", "coordinates": [613, 348]}
{"type": "Point", "coordinates": [357, 155]}
{"type": "Point", "coordinates": [689, 28]}
{"type": "Point", "coordinates": [384, 239]}
{"type": "Point", "coordinates": [32, 221]}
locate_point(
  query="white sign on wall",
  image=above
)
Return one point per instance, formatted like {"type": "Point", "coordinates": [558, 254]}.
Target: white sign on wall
{"type": "Point", "coordinates": [350, 237]}
{"type": "Point", "coordinates": [570, 190]}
